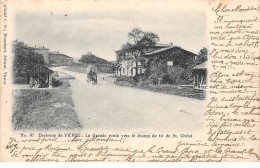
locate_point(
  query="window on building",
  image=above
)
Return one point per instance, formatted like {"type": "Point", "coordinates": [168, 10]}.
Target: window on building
{"type": "Point", "coordinates": [170, 63]}
{"type": "Point", "coordinates": [139, 70]}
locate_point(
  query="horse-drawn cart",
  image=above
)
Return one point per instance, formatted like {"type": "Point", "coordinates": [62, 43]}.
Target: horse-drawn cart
{"type": "Point", "coordinates": [92, 77]}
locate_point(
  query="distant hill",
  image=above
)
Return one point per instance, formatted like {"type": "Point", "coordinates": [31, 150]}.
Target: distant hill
{"type": "Point", "coordinates": [92, 59]}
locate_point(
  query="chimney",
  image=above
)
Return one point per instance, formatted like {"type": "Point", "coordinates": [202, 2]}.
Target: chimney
{"type": "Point", "coordinates": [171, 43]}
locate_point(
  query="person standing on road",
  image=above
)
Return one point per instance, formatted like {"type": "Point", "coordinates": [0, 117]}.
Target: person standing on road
{"type": "Point", "coordinates": [89, 76]}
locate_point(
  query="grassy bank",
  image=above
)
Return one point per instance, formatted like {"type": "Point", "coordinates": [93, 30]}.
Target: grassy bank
{"type": "Point", "coordinates": [75, 68]}
{"type": "Point", "coordinates": [164, 88]}
{"type": "Point", "coordinates": [176, 90]}
{"type": "Point", "coordinates": [44, 109]}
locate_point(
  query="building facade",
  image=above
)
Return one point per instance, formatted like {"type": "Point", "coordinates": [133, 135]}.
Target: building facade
{"type": "Point", "coordinates": [170, 57]}
{"type": "Point", "coordinates": [56, 58]}
{"type": "Point", "coordinates": [200, 76]}
{"type": "Point", "coordinates": [130, 62]}
{"type": "Point", "coordinates": [53, 57]}
{"type": "Point", "coordinates": [172, 65]}
{"type": "Point", "coordinates": [161, 64]}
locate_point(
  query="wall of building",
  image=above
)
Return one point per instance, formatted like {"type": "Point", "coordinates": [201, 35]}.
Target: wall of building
{"type": "Point", "coordinates": [60, 59]}
{"type": "Point", "coordinates": [174, 65]}
{"type": "Point", "coordinates": [172, 58]}
{"type": "Point", "coordinates": [127, 67]}
{"type": "Point", "coordinates": [124, 67]}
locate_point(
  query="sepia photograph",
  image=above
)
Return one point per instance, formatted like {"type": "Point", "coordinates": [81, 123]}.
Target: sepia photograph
{"type": "Point", "coordinates": [111, 69]}
{"type": "Point", "coordinates": [129, 81]}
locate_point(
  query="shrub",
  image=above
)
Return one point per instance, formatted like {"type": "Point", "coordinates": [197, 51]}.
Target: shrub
{"type": "Point", "coordinates": [19, 80]}
{"type": "Point", "coordinates": [56, 83]}
{"type": "Point", "coordinates": [176, 75]}
{"type": "Point", "coordinates": [143, 83]}
{"type": "Point", "coordinates": [126, 80]}
{"type": "Point", "coordinates": [154, 79]}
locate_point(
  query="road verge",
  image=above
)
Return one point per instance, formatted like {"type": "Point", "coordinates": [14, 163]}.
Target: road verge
{"type": "Point", "coordinates": [45, 109]}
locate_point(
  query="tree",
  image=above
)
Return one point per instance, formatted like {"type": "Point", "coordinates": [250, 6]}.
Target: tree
{"type": "Point", "coordinates": [139, 37]}
{"type": "Point", "coordinates": [124, 48]}
{"type": "Point", "coordinates": [136, 35]}
{"type": "Point", "coordinates": [84, 58]}
{"type": "Point", "coordinates": [140, 40]}
{"type": "Point", "coordinates": [149, 39]}
{"type": "Point", "coordinates": [25, 58]}
{"type": "Point", "coordinates": [202, 55]}
{"type": "Point", "coordinates": [91, 58]}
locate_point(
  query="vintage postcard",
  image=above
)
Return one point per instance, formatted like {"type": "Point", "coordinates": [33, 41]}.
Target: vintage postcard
{"type": "Point", "coordinates": [130, 81]}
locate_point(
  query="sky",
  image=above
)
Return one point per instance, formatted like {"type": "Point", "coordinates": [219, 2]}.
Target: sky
{"type": "Point", "coordinates": [103, 31]}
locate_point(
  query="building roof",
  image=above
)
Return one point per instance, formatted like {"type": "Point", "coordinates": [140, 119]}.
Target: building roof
{"type": "Point", "coordinates": [54, 52]}
{"type": "Point", "coordinates": [165, 49]}
{"type": "Point", "coordinates": [201, 66]}
{"type": "Point", "coordinates": [157, 45]}
{"type": "Point", "coordinates": [41, 48]}
{"type": "Point", "coordinates": [39, 68]}
{"type": "Point", "coordinates": [57, 53]}
{"type": "Point", "coordinates": [158, 51]}
{"type": "Point", "coordinates": [162, 45]}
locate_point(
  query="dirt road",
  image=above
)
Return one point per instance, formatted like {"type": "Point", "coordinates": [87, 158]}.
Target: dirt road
{"type": "Point", "coordinates": [109, 107]}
